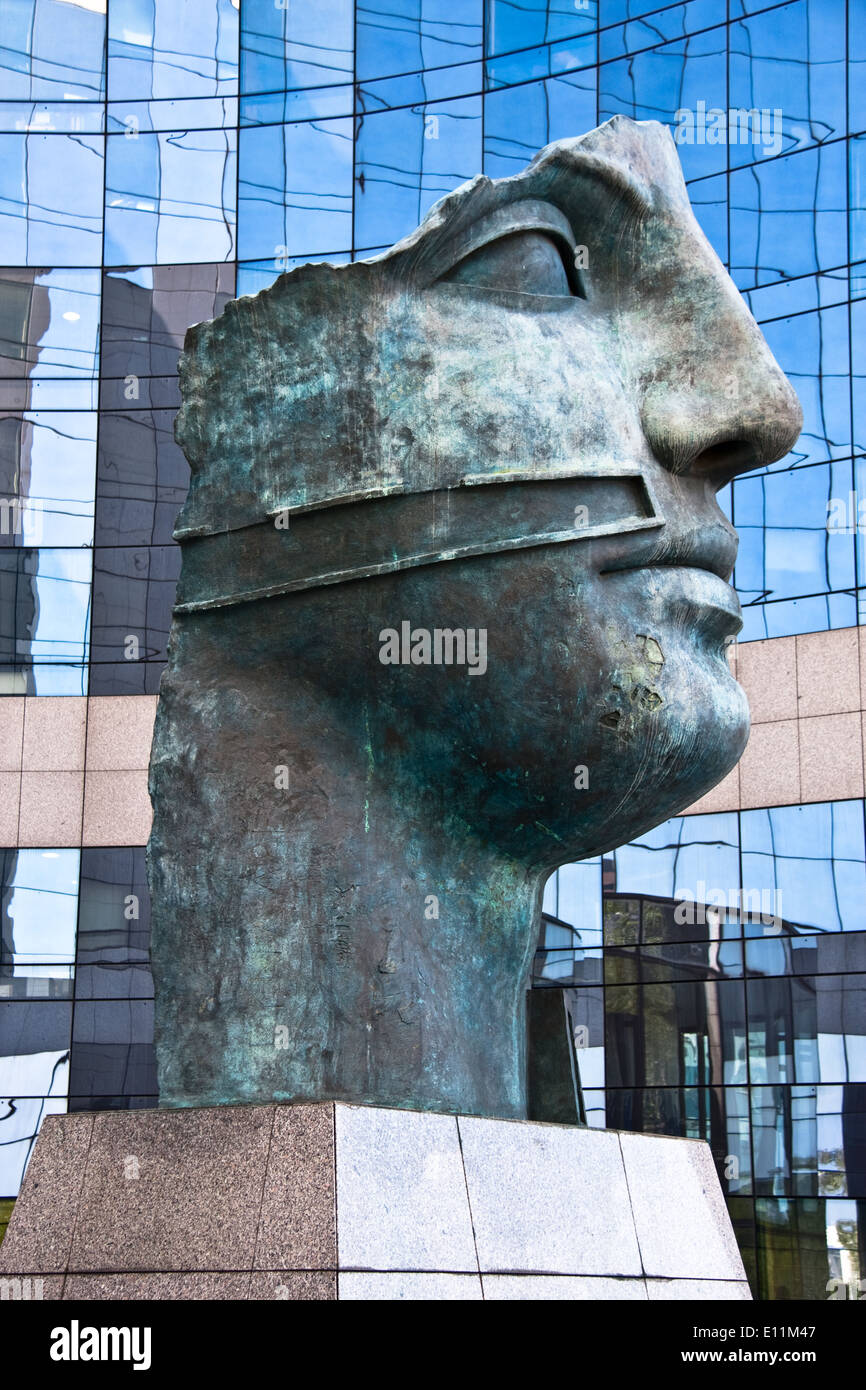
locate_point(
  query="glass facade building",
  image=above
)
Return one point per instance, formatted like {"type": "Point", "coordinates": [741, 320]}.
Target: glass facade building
{"type": "Point", "coordinates": [158, 157]}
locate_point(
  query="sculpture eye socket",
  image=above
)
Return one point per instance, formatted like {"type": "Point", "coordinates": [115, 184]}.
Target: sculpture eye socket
{"type": "Point", "coordinates": [526, 262]}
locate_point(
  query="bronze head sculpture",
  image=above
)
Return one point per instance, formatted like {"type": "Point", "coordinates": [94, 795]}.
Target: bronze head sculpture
{"type": "Point", "coordinates": [452, 612]}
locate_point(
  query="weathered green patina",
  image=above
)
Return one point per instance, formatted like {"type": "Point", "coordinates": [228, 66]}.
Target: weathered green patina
{"type": "Point", "coordinates": [499, 443]}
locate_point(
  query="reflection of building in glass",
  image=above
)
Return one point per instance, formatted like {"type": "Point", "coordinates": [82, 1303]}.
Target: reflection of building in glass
{"type": "Point", "coordinates": [157, 158]}
{"type": "Point", "coordinates": [720, 1026]}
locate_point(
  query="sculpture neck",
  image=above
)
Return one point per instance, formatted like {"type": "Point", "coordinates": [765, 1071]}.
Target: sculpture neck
{"type": "Point", "coordinates": [369, 950]}
{"type": "Point", "coordinates": [426, 943]}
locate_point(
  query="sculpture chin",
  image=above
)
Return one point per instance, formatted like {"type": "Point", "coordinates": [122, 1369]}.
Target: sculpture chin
{"type": "Point", "coordinates": [662, 760]}
{"type": "Point", "coordinates": [643, 717]}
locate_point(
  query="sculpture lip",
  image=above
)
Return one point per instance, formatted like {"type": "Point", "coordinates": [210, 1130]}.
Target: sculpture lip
{"type": "Point", "coordinates": [711, 547]}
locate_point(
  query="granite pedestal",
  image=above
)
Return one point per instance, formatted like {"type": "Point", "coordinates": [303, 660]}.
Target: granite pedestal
{"type": "Point", "coordinates": [335, 1201]}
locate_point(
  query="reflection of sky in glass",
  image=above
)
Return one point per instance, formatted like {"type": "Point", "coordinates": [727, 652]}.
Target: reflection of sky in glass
{"type": "Point", "coordinates": [793, 58]}
{"type": "Point", "coordinates": [51, 199]}
{"type": "Point", "coordinates": [812, 858]}
{"type": "Point", "coordinates": [52, 49]}
{"type": "Point", "coordinates": [169, 50]}
{"type": "Point", "coordinates": [579, 900]}
{"type": "Point", "coordinates": [170, 197]}
{"type": "Point", "coordinates": [282, 47]}
{"type": "Point", "coordinates": [785, 549]}
{"type": "Point", "coordinates": [808, 861]}
{"type": "Point", "coordinates": [295, 191]}
{"type": "Point", "coordinates": [62, 466]}
{"type": "Point", "coordinates": [392, 36]}
{"type": "Point", "coordinates": [407, 159]}
{"type": "Point", "coordinates": [788, 216]}
{"type": "Point", "coordinates": [35, 1073]}
{"type": "Point", "coordinates": [68, 348]}
{"type": "Point", "coordinates": [59, 645]}
{"type": "Point", "coordinates": [678, 855]}
{"type": "Point", "coordinates": [43, 906]}
{"type": "Point", "coordinates": [518, 121]}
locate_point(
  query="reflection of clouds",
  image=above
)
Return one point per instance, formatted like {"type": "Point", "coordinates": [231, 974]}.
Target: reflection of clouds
{"type": "Point", "coordinates": [35, 1073]}
{"type": "Point", "coordinates": [43, 905]}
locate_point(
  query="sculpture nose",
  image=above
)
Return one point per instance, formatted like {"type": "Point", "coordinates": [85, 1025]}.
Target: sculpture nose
{"type": "Point", "coordinates": [718, 403]}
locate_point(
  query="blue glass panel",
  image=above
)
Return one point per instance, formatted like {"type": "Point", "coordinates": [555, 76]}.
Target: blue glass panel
{"type": "Point", "coordinates": [395, 36]}
{"type": "Point", "coordinates": [858, 375]}
{"type": "Point", "coordinates": [858, 198]}
{"type": "Point", "coordinates": [569, 56]}
{"type": "Point", "coordinates": [791, 60]}
{"type": "Point", "coordinates": [790, 616]}
{"type": "Point", "coordinates": [672, 22]}
{"type": "Point", "coordinates": [295, 45]}
{"type": "Point", "coordinates": [204, 113]}
{"type": "Point", "coordinates": [170, 198]}
{"type": "Point", "coordinates": [516, 24]}
{"type": "Point", "coordinates": [615, 11]}
{"type": "Point", "coordinates": [677, 83]}
{"type": "Point", "coordinates": [681, 857]}
{"type": "Point", "coordinates": [44, 621]}
{"type": "Point", "coordinates": [40, 905]}
{"type": "Point", "coordinates": [436, 84]}
{"type": "Point", "coordinates": [49, 339]}
{"type": "Point", "coordinates": [785, 550]}
{"type": "Point", "coordinates": [295, 192]}
{"type": "Point", "coordinates": [407, 160]}
{"type": "Point", "coordinates": [44, 118]}
{"type": "Point", "coordinates": [165, 50]}
{"type": "Point", "coordinates": [812, 350]}
{"type": "Point", "coordinates": [579, 901]}
{"type": "Point", "coordinates": [797, 296]}
{"type": "Point", "coordinates": [810, 860]}
{"type": "Point", "coordinates": [853, 516]}
{"type": "Point", "coordinates": [51, 199]}
{"type": "Point", "coordinates": [519, 121]}
{"type": "Point", "coordinates": [48, 464]}
{"type": "Point", "coordinates": [308, 103]}
{"type": "Point", "coordinates": [856, 64]}
{"type": "Point", "coordinates": [788, 216]}
{"type": "Point", "coordinates": [52, 50]}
